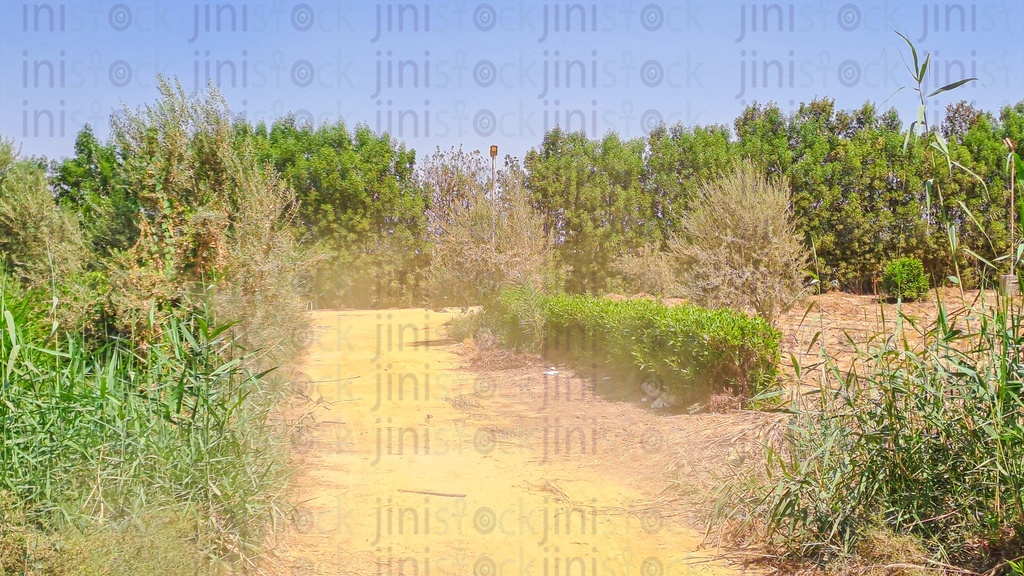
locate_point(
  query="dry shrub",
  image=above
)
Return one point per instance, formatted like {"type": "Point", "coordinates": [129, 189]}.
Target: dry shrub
{"type": "Point", "coordinates": [724, 401]}
{"type": "Point", "coordinates": [265, 270]}
{"type": "Point", "coordinates": [455, 181]}
{"type": "Point", "coordinates": [482, 244]}
{"type": "Point", "coordinates": [881, 552]}
{"type": "Point", "coordinates": [38, 241]}
{"type": "Point", "coordinates": [213, 220]}
{"type": "Point", "coordinates": [738, 246]}
{"type": "Point", "coordinates": [647, 270]}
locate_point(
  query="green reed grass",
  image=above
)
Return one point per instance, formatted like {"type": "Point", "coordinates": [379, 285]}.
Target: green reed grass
{"type": "Point", "coordinates": [99, 437]}
{"type": "Point", "coordinates": [923, 436]}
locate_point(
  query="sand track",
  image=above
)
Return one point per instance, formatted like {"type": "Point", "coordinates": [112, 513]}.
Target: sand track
{"type": "Point", "coordinates": [417, 465]}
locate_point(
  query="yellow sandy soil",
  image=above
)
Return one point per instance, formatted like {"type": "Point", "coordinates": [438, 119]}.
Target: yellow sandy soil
{"type": "Point", "coordinates": [417, 466]}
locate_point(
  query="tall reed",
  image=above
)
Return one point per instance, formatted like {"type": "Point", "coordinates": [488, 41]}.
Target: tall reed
{"type": "Point", "coordinates": [94, 437]}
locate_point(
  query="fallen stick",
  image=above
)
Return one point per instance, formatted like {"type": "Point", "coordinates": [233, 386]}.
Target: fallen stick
{"type": "Point", "coordinates": [430, 493]}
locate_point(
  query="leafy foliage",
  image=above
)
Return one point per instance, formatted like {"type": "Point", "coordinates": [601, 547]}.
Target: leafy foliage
{"type": "Point", "coordinates": [862, 192]}
{"type": "Point", "coordinates": [676, 163]}
{"type": "Point", "coordinates": [922, 436]}
{"type": "Point", "coordinates": [905, 279]}
{"type": "Point", "coordinates": [593, 204]}
{"type": "Point", "coordinates": [124, 398]}
{"type": "Point", "coordinates": [90, 184]}
{"type": "Point", "coordinates": [176, 205]}
{"type": "Point", "coordinates": [358, 206]}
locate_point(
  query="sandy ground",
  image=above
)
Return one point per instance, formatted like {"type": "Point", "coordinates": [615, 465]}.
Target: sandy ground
{"type": "Point", "coordinates": [417, 463]}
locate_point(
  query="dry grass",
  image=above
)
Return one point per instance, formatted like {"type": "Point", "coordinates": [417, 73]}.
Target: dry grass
{"type": "Point", "coordinates": [156, 543]}
{"type": "Point", "coordinates": [483, 353]}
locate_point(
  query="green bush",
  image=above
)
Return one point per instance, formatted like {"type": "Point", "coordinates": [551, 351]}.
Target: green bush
{"type": "Point", "coordinates": [694, 351]}
{"type": "Point", "coordinates": [905, 279]}
{"type": "Point", "coordinates": [127, 413]}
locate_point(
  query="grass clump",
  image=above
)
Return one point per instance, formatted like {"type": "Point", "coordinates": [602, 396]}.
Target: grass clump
{"type": "Point", "coordinates": [912, 459]}
{"type": "Point", "coordinates": [154, 543]}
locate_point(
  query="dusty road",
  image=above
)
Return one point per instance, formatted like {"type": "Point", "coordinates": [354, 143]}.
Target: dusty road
{"type": "Point", "coordinates": [418, 466]}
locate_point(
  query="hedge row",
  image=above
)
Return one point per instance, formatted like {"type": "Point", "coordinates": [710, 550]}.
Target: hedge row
{"type": "Point", "coordinates": [693, 351]}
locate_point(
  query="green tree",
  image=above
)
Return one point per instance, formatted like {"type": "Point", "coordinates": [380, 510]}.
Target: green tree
{"type": "Point", "coordinates": [593, 203]}
{"type": "Point", "coordinates": [359, 206]}
{"type": "Point", "coordinates": [857, 196]}
{"type": "Point", "coordinates": [88, 183]}
{"type": "Point", "coordinates": [678, 159]}
{"type": "Point", "coordinates": [761, 135]}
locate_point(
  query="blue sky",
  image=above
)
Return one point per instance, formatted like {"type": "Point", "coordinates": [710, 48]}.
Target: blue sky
{"type": "Point", "coordinates": [473, 74]}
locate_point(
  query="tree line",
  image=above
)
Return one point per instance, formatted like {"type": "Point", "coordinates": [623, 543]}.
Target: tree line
{"type": "Point", "coordinates": [375, 214]}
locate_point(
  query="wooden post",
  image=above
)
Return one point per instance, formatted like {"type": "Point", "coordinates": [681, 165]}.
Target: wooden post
{"type": "Point", "coordinates": [1009, 285]}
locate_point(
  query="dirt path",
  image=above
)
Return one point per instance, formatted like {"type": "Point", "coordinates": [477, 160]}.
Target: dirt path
{"type": "Point", "coordinates": [417, 466]}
